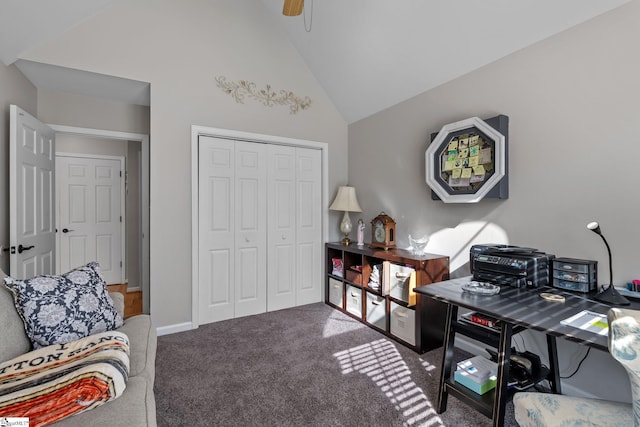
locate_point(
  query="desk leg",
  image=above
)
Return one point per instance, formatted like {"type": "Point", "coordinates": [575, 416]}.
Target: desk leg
{"type": "Point", "coordinates": [504, 356]}
{"type": "Point", "coordinates": [447, 355]}
{"type": "Point", "coordinates": [554, 375]}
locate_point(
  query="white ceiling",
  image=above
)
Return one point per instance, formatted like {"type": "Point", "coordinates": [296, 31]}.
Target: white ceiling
{"type": "Point", "coordinates": [367, 54]}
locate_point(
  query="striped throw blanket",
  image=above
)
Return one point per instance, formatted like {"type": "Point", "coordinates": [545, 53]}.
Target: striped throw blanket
{"type": "Point", "coordinates": [52, 383]}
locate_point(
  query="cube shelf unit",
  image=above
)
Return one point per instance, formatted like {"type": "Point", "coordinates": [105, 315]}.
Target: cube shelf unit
{"type": "Point", "coordinates": [415, 321]}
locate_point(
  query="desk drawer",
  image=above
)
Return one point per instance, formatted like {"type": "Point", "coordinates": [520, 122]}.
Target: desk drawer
{"type": "Point", "coordinates": [335, 292]}
{"type": "Point", "coordinates": [574, 277]}
{"type": "Point", "coordinates": [353, 297]}
{"type": "Point", "coordinates": [574, 265]}
{"type": "Point", "coordinates": [572, 286]}
{"type": "Point", "coordinates": [403, 323]}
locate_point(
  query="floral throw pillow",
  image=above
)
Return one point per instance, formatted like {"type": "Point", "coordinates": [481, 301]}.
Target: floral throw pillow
{"type": "Point", "coordinates": [61, 309]}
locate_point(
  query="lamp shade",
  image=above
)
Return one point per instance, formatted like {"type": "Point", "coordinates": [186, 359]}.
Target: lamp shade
{"type": "Point", "coordinates": [346, 200]}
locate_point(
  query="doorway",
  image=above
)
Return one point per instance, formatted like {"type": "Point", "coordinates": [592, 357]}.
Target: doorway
{"type": "Point", "coordinates": [135, 149]}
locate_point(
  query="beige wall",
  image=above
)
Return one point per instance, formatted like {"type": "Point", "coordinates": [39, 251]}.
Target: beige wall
{"type": "Point", "coordinates": [574, 129]}
{"type": "Point", "coordinates": [14, 89]}
{"type": "Point", "coordinates": [80, 144]}
{"type": "Point", "coordinates": [180, 47]}
{"type": "Point", "coordinates": [61, 108]}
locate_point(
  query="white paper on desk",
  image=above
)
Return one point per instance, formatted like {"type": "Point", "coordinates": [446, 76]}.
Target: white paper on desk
{"type": "Point", "coordinates": [589, 321]}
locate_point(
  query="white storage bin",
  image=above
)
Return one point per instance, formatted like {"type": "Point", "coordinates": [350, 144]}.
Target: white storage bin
{"type": "Point", "coordinates": [401, 282]}
{"type": "Point", "coordinates": [353, 296]}
{"type": "Point", "coordinates": [403, 323]}
{"type": "Point", "coordinates": [335, 292]}
{"type": "Point", "coordinates": [376, 311]}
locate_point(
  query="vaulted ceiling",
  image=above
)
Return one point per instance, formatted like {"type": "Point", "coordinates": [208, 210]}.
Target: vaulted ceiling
{"type": "Point", "coordinates": [367, 54]}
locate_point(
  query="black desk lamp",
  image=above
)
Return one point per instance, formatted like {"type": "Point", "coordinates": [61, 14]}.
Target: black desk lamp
{"type": "Point", "coordinates": [609, 295]}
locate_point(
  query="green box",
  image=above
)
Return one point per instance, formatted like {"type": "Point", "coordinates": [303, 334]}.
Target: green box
{"type": "Point", "coordinates": [463, 379]}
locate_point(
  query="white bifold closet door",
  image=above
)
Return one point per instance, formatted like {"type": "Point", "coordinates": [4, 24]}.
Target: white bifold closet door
{"type": "Point", "coordinates": [259, 228]}
{"type": "Point", "coordinates": [294, 227]}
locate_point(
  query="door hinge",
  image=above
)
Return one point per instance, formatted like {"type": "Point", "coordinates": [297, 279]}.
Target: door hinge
{"type": "Point", "coordinates": [120, 218]}
{"type": "Point", "coordinates": [120, 264]}
{"type": "Point", "coordinates": [120, 174]}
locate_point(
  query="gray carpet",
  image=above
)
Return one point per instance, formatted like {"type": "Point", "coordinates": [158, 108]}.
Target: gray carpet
{"type": "Point", "coordinates": [305, 366]}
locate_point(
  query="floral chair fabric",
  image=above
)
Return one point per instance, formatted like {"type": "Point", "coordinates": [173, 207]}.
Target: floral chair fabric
{"type": "Point", "coordinates": [542, 409]}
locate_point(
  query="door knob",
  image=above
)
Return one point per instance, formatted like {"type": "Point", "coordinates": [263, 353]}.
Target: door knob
{"type": "Point", "coordinates": [66, 230]}
{"type": "Point", "coordinates": [24, 248]}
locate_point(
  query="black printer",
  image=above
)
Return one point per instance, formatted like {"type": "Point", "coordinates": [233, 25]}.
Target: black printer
{"type": "Point", "coordinates": [510, 265]}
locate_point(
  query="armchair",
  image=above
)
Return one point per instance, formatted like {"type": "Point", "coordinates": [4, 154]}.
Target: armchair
{"type": "Point", "coordinates": [543, 409]}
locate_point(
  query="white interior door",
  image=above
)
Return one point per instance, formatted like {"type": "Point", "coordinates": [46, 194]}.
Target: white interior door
{"type": "Point", "coordinates": [31, 195]}
{"type": "Point", "coordinates": [251, 229]}
{"type": "Point", "coordinates": [216, 208]}
{"type": "Point", "coordinates": [90, 213]}
{"type": "Point", "coordinates": [232, 224]}
{"type": "Point", "coordinates": [308, 226]}
{"type": "Point", "coordinates": [295, 229]}
{"type": "Point", "coordinates": [281, 211]}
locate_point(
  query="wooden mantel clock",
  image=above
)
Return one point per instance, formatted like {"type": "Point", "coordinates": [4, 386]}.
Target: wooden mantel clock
{"type": "Point", "coordinates": [383, 232]}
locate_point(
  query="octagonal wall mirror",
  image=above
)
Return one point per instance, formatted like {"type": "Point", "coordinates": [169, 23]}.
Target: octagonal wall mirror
{"type": "Point", "coordinates": [468, 161]}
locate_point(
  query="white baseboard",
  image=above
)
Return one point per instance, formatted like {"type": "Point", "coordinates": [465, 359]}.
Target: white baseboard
{"type": "Point", "coordinates": [475, 347]}
{"type": "Point", "coordinates": [172, 329]}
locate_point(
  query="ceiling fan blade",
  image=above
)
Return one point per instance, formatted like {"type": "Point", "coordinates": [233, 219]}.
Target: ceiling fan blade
{"type": "Point", "coordinates": [292, 7]}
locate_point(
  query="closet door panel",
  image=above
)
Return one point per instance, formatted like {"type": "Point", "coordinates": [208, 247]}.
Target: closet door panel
{"type": "Point", "coordinates": [249, 277]}
{"type": "Point", "coordinates": [216, 230]}
{"type": "Point", "coordinates": [281, 217]}
{"type": "Point", "coordinates": [309, 227]}
{"type": "Point", "coordinates": [220, 292]}
{"type": "Point", "coordinates": [250, 232]}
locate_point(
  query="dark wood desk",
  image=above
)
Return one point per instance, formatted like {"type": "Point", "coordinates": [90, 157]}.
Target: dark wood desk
{"type": "Point", "coordinates": [517, 308]}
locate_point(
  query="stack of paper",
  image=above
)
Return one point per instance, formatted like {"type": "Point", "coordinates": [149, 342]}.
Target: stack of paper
{"type": "Point", "coordinates": [589, 321]}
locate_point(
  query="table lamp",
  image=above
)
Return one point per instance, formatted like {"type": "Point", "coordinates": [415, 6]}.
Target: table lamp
{"type": "Point", "coordinates": [610, 295]}
{"type": "Point", "coordinates": [346, 201]}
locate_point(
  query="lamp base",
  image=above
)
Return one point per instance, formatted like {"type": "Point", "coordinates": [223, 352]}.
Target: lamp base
{"type": "Point", "coordinates": [611, 296]}
{"type": "Point", "coordinates": [346, 241]}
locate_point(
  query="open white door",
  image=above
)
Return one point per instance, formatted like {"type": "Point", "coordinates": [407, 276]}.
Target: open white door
{"type": "Point", "coordinates": [31, 195]}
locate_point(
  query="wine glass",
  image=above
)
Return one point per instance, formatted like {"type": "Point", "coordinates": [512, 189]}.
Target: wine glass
{"type": "Point", "coordinates": [418, 245]}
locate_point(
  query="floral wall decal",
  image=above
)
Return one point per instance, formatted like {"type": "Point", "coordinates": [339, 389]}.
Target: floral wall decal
{"type": "Point", "coordinates": [268, 96]}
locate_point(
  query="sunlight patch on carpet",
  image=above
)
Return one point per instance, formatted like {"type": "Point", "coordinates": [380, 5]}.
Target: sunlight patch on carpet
{"type": "Point", "coordinates": [427, 366]}
{"type": "Point", "coordinates": [383, 364]}
{"type": "Point", "coordinates": [337, 323]}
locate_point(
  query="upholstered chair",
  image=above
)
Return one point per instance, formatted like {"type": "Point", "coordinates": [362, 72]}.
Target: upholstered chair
{"type": "Point", "coordinates": [543, 409]}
